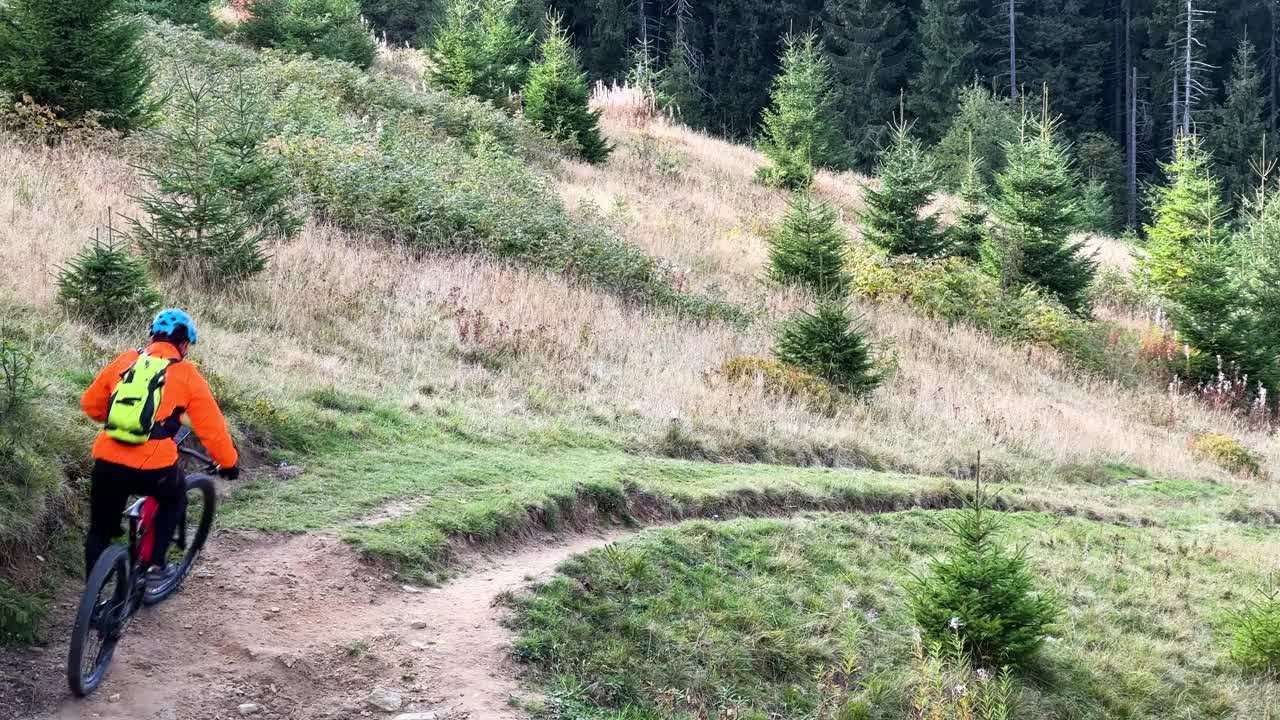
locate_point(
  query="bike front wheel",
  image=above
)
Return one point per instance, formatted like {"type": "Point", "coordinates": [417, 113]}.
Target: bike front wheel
{"type": "Point", "coordinates": [104, 609]}
{"type": "Point", "coordinates": [197, 521]}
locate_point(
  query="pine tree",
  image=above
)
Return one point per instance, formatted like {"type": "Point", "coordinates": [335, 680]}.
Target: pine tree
{"type": "Point", "coordinates": [967, 236]}
{"type": "Point", "coordinates": [984, 124]}
{"type": "Point", "coordinates": [830, 344]}
{"type": "Point", "coordinates": [1209, 313]}
{"type": "Point", "coordinates": [557, 99]}
{"type": "Point", "coordinates": [1096, 211]}
{"type": "Point", "coordinates": [196, 225]}
{"type": "Point", "coordinates": [1187, 210]}
{"type": "Point", "coordinates": [808, 248]}
{"type": "Point", "coordinates": [868, 43]}
{"type": "Point", "coordinates": [1239, 128]}
{"type": "Point", "coordinates": [981, 593]}
{"type": "Point", "coordinates": [949, 61]}
{"type": "Point", "coordinates": [1036, 211]}
{"type": "Point", "coordinates": [895, 219]}
{"type": "Point", "coordinates": [798, 129]}
{"type": "Point", "coordinates": [1100, 162]}
{"type": "Point", "coordinates": [178, 12]}
{"type": "Point", "coordinates": [679, 91]}
{"type": "Point", "coordinates": [324, 28]}
{"type": "Point", "coordinates": [479, 49]}
{"type": "Point", "coordinates": [255, 179]}
{"type": "Point", "coordinates": [79, 56]}
{"type": "Point", "coordinates": [1064, 47]}
{"type": "Point", "coordinates": [1260, 245]}
{"type": "Point", "coordinates": [106, 284]}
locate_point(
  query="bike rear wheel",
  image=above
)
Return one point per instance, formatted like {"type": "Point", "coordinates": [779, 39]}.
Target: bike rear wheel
{"type": "Point", "coordinates": [104, 609]}
{"type": "Point", "coordinates": [197, 521]}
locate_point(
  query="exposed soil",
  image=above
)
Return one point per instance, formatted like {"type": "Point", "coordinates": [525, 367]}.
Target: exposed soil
{"type": "Point", "coordinates": [299, 626]}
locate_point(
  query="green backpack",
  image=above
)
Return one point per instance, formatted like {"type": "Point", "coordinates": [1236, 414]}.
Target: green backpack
{"type": "Point", "coordinates": [131, 413]}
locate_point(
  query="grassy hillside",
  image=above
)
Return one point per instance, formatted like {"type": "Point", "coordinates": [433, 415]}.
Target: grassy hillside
{"type": "Point", "coordinates": [759, 619]}
{"type": "Point", "coordinates": [474, 338]}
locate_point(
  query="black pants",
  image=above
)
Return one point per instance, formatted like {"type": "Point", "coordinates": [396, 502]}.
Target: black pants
{"type": "Point", "coordinates": [109, 496]}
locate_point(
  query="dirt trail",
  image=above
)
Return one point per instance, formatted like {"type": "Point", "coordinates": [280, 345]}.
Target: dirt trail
{"type": "Point", "coordinates": [300, 627]}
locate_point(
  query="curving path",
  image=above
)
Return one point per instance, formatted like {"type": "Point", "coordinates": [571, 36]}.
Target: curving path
{"type": "Point", "coordinates": [300, 628]}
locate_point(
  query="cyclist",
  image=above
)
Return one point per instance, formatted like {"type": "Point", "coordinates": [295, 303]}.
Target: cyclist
{"type": "Point", "coordinates": [140, 399]}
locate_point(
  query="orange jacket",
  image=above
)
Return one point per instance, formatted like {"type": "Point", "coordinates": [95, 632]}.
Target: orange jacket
{"type": "Point", "coordinates": [183, 388]}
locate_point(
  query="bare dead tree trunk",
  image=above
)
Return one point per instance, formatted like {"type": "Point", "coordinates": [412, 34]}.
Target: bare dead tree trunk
{"type": "Point", "coordinates": [1186, 79]}
{"type": "Point", "coordinates": [1131, 121]}
{"type": "Point", "coordinates": [1120, 73]}
{"type": "Point", "coordinates": [1272, 8]}
{"type": "Point", "coordinates": [1174, 119]}
{"type": "Point", "coordinates": [1132, 82]}
{"type": "Point", "coordinates": [1013, 50]}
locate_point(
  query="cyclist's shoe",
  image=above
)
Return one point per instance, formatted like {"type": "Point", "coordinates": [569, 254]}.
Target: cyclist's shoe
{"type": "Point", "coordinates": [158, 577]}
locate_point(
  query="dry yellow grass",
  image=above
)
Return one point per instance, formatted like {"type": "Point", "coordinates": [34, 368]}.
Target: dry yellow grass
{"type": "Point", "coordinates": [340, 308]}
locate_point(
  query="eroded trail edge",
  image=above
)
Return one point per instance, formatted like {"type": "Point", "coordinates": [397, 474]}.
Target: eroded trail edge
{"type": "Point", "coordinates": [298, 627]}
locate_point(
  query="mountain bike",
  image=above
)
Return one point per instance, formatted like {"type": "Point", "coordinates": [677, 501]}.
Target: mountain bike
{"type": "Point", "coordinates": [117, 587]}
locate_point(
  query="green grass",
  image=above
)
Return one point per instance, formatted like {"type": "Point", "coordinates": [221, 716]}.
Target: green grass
{"type": "Point", "coordinates": [755, 618]}
{"type": "Point", "coordinates": [456, 485]}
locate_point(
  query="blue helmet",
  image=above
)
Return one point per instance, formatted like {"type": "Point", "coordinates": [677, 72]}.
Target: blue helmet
{"type": "Point", "coordinates": [173, 322]}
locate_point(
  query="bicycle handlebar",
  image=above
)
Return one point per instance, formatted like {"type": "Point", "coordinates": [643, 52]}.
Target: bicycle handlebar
{"type": "Point", "coordinates": [181, 438]}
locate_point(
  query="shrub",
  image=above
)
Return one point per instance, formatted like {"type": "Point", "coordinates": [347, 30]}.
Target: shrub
{"type": "Point", "coordinates": [557, 99]}
{"type": "Point", "coordinates": [799, 128]}
{"type": "Point", "coordinates": [480, 49]}
{"type": "Point", "coordinates": [808, 248]}
{"type": "Point", "coordinates": [981, 596]}
{"type": "Point", "coordinates": [324, 28]}
{"type": "Point", "coordinates": [894, 218]}
{"type": "Point", "coordinates": [782, 380]}
{"type": "Point", "coordinates": [1227, 453]}
{"type": "Point", "coordinates": [829, 344]}
{"type": "Point", "coordinates": [1255, 632]}
{"type": "Point", "coordinates": [106, 284]}
{"type": "Point", "coordinates": [21, 616]}
{"type": "Point", "coordinates": [179, 12]}
{"type": "Point", "coordinates": [76, 55]}
{"type": "Point", "coordinates": [17, 377]}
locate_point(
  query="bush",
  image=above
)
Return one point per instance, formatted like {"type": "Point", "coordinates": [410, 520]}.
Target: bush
{"type": "Point", "coordinates": [179, 12]}
{"type": "Point", "coordinates": [781, 380]}
{"type": "Point", "coordinates": [981, 597]}
{"type": "Point", "coordinates": [829, 344]}
{"type": "Point", "coordinates": [557, 99]}
{"type": "Point", "coordinates": [106, 284]}
{"type": "Point", "coordinates": [17, 377]}
{"type": "Point", "coordinates": [21, 616]}
{"type": "Point", "coordinates": [1227, 453]}
{"type": "Point", "coordinates": [808, 248]}
{"type": "Point", "coordinates": [325, 28]}
{"type": "Point", "coordinates": [80, 57]}
{"type": "Point", "coordinates": [1255, 632]}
